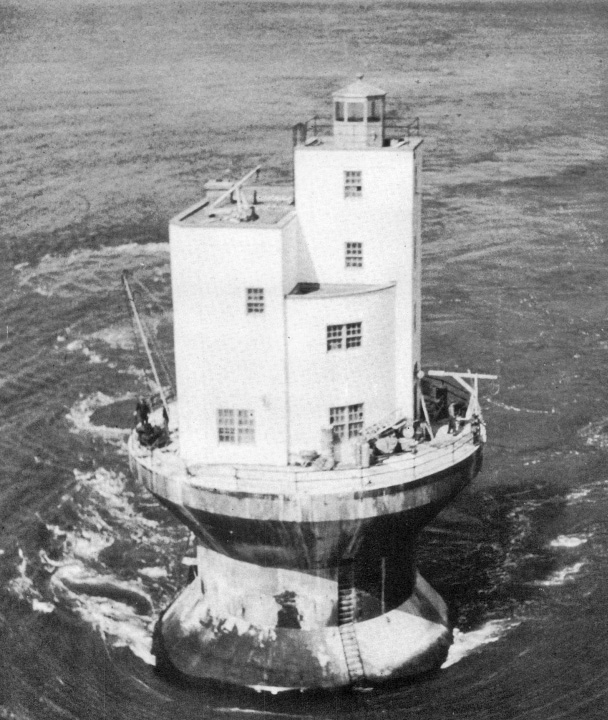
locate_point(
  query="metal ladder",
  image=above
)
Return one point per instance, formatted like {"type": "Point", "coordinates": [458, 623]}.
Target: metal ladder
{"type": "Point", "coordinates": [347, 611]}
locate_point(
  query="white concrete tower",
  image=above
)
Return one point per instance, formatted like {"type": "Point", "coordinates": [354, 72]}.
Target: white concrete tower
{"type": "Point", "coordinates": [358, 204]}
{"type": "Point", "coordinates": [292, 321]}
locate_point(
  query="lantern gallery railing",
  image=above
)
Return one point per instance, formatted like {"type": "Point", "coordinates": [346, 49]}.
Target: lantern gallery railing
{"type": "Point", "coordinates": [316, 127]}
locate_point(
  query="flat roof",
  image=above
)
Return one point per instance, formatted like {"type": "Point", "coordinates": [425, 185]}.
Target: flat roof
{"type": "Point", "coordinates": [315, 291]}
{"type": "Point", "coordinates": [268, 205]}
{"type": "Point", "coordinates": [328, 142]}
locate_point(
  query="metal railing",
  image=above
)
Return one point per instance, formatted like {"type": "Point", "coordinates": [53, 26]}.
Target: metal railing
{"type": "Point", "coordinates": [317, 127]}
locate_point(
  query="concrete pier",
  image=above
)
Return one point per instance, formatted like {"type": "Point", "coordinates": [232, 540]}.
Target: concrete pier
{"type": "Point", "coordinates": [279, 630]}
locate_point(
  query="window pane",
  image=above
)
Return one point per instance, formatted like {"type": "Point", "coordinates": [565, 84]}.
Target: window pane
{"type": "Point", "coordinates": [355, 413]}
{"type": "Point", "coordinates": [225, 426]}
{"type": "Point", "coordinates": [338, 432]}
{"type": "Point", "coordinates": [374, 110]}
{"type": "Point", "coordinates": [353, 183]}
{"type": "Point", "coordinates": [354, 254]}
{"type": "Point", "coordinates": [353, 335]}
{"type": "Point", "coordinates": [355, 111]}
{"type": "Point", "coordinates": [334, 337]}
{"type": "Point", "coordinates": [255, 300]}
{"type": "Point", "coordinates": [339, 111]}
{"type": "Point", "coordinates": [355, 429]}
{"type": "Point", "coordinates": [337, 415]}
{"type": "Point", "coordinates": [246, 426]}
{"type": "Point", "coordinates": [355, 420]}
{"type": "Point", "coordinates": [235, 426]}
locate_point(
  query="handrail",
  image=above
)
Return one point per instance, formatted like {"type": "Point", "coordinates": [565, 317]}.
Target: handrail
{"type": "Point", "coordinates": [427, 454]}
{"type": "Point", "coordinates": [321, 125]}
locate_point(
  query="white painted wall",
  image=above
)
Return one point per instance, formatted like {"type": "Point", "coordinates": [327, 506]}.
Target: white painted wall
{"type": "Point", "coordinates": [226, 358]}
{"type": "Point", "coordinates": [276, 363]}
{"type": "Point", "coordinates": [318, 379]}
{"type": "Point", "coordinates": [385, 219]}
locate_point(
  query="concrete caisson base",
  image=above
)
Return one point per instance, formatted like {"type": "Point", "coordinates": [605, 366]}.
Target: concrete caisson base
{"type": "Point", "coordinates": [273, 641]}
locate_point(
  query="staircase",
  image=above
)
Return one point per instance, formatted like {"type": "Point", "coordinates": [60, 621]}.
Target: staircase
{"type": "Point", "coordinates": [395, 420]}
{"type": "Point", "coordinates": [347, 610]}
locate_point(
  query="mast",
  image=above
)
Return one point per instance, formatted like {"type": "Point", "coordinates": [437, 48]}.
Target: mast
{"type": "Point", "coordinates": [144, 339]}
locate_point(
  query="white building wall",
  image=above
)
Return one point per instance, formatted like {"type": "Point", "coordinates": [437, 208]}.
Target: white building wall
{"type": "Point", "coordinates": [384, 219]}
{"type": "Point", "coordinates": [295, 267]}
{"type": "Point", "coordinates": [226, 358]}
{"type": "Point", "coordinates": [319, 379]}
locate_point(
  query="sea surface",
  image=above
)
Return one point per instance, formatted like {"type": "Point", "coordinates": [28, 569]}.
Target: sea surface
{"type": "Point", "coordinates": [112, 116]}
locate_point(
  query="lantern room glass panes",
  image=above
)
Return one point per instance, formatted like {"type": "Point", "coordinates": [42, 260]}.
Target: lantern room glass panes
{"type": "Point", "coordinates": [374, 110]}
{"type": "Point", "coordinates": [356, 111]}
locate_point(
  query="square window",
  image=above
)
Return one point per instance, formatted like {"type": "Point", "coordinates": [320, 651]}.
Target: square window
{"type": "Point", "coordinates": [354, 255]}
{"type": "Point", "coordinates": [255, 300]}
{"type": "Point", "coordinates": [340, 337]}
{"type": "Point", "coordinates": [353, 183]}
{"type": "Point", "coordinates": [346, 422]}
{"type": "Point", "coordinates": [235, 426]}
{"type": "Point", "coordinates": [353, 335]}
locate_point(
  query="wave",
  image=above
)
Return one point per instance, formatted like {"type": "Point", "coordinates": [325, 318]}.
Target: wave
{"type": "Point", "coordinates": [81, 412]}
{"type": "Point", "coordinates": [466, 643]}
{"type": "Point", "coordinates": [92, 272]}
{"type": "Point", "coordinates": [102, 559]}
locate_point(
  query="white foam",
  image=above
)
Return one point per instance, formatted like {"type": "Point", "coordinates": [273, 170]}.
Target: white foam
{"type": "Point", "coordinates": [154, 573]}
{"type": "Point", "coordinates": [561, 577]}
{"type": "Point", "coordinates": [578, 494]}
{"type": "Point", "coordinates": [118, 623]}
{"type": "Point", "coordinates": [118, 337]}
{"type": "Point", "coordinates": [127, 618]}
{"type": "Point", "coordinates": [79, 346]}
{"type": "Point", "coordinates": [82, 410]}
{"type": "Point", "coordinates": [466, 643]}
{"type": "Point", "coordinates": [513, 408]}
{"type": "Point", "coordinates": [90, 272]}
{"type": "Point", "coordinates": [42, 607]}
{"type": "Point", "coordinates": [569, 541]}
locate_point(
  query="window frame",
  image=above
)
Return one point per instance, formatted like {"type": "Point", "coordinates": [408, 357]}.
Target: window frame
{"type": "Point", "coordinates": [353, 254]}
{"type": "Point", "coordinates": [235, 426]}
{"type": "Point", "coordinates": [255, 302]}
{"type": "Point", "coordinates": [353, 184]}
{"type": "Point", "coordinates": [345, 336]}
{"type": "Point", "coordinates": [356, 111]}
{"type": "Point", "coordinates": [346, 421]}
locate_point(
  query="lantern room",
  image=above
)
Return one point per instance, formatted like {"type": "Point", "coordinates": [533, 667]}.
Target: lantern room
{"type": "Point", "coordinates": [359, 115]}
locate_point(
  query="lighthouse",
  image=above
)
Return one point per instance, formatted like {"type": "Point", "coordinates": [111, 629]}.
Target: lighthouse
{"type": "Point", "coordinates": [308, 445]}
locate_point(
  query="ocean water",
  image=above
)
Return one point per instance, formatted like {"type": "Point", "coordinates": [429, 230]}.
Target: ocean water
{"type": "Point", "coordinates": [112, 116]}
